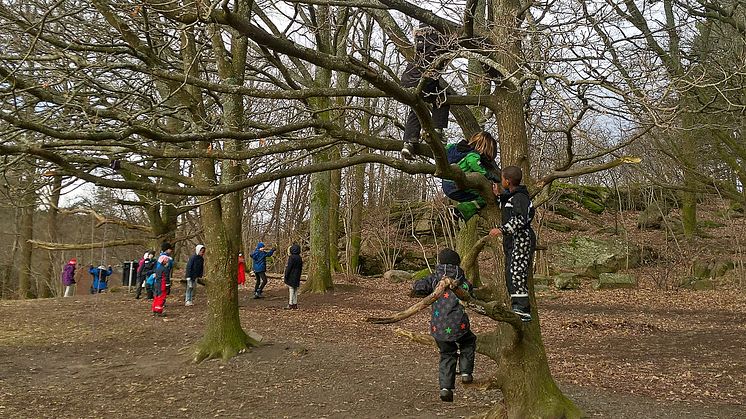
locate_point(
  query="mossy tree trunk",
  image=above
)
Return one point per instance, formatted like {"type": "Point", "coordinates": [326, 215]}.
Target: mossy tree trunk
{"type": "Point", "coordinates": [319, 272]}
{"type": "Point", "coordinates": [221, 218]}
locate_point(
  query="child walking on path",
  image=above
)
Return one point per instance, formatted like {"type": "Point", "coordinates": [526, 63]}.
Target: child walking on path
{"type": "Point", "coordinates": [194, 270]}
{"type": "Point", "coordinates": [475, 155]}
{"type": "Point", "coordinates": [259, 257]}
{"type": "Point", "coordinates": [162, 274]}
{"type": "Point", "coordinates": [292, 275]}
{"type": "Point", "coordinates": [519, 239]}
{"type": "Point", "coordinates": [449, 324]}
{"type": "Point", "coordinates": [68, 277]}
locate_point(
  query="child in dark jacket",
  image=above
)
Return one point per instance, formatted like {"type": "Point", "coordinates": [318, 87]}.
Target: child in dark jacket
{"type": "Point", "coordinates": [476, 155]}
{"type": "Point", "coordinates": [195, 268]}
{"type": "Point", "coordinates": [292, 275]}
{"type": "Point", "coordinates": [449, 324]}
{"type": "Point", "coordinates": [519, 240]}
{"type": "Point", "coordinates": [145, 268]}
{"type": "Point", "coordinates": [428, 45]}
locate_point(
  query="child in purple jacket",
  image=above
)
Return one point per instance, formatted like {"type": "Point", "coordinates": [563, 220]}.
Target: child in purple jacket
{"type": "Point", "coordinates": [68, 277]}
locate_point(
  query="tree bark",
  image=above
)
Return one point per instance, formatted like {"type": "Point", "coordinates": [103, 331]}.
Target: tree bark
{"type": "Point", "coordinates": [53, 285]}
{"type": "Point", "coordinates": [26, 234]}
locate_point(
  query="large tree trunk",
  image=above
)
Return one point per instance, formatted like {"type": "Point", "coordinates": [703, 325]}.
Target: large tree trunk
{"type": "Point", "coordinates": [53, 285]}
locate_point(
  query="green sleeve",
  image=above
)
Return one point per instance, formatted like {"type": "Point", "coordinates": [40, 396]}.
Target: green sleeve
{"type": "Point", "coordinates": [472, 164]}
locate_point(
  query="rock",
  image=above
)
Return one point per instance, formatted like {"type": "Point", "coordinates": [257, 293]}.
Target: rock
{"type": "Point", "coordinates": [697, 284]}
{"type": "Point", "coordinates": [591, 257]}
{"type": "Point", "coordinates": [422, 273]}
{"type": "Point", "coordinates": [652, 216]}
{"type": "Point", "coordinates": [610, 281]}
{"type": "Point", "coordinates": [701, 269]}
{"type": "Point", "coordinates": [721, 267]}
{"type": "Point", "coordinates": [397, 276]}
{"type": "Point", "coordinates": [567, 281]}
{"type": "Point", "coordinates": [541, 288]}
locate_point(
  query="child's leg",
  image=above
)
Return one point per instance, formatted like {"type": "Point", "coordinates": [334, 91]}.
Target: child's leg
{"type": "Point", "coordinates": [258, 281]}
{"type": "Point", "coordinates": [467, 348]}
{"type": "Point", "coordinates": [470, 202]}
{"type": "Point", "coordinates": [412, 128]}
{"type": "Point", "coordinates": [447, 367]}
{"type": "Point", "coordinates": [293, 295]}
{"type": "Point", "coordinates": [263, 276]}
{"type": "Point", "coordinates": [520, 263]}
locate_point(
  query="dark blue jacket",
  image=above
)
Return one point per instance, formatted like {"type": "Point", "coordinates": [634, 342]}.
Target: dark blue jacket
{"type": "Point", "coordinates": [99, 277]}
{"type": "Point", "coordinates": [294, 267]}
{"type": "Point", "coordinates": [448, 321]}
{"type": "Point", "coordinates": [259, 258]}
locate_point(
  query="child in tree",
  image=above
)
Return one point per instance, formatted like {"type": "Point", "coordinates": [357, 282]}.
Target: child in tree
{"type": "Point", "coordinates": [68, 277]}
{"type": "Point", "coordinates": [195, 268]}
{"type": "Point", "coordinates": [519, 240]}
{"type": "Point", "coordinates": [475, 155]}
{"type": "Point", "coordinates": [259, 257]}
{"type": "Point", "coordinates": [162, 273]}
{"type": "Point", "coordinates": [449, 323]}
{"type": "Point", "coordinates": [292, 275]}
{"type": "Point", "coordinates": [428, 45]}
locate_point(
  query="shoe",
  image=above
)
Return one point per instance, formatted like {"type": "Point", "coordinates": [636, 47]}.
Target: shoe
{"type": "Point", "coordinates": [466, 378]}
{"type": "Point", "coordinates": [523, 313]}
{"type": "Point", "coordinates": [256, 295]}
{"type": "Point", "coordinates": [295, 306]}
{"type": "Point", "coordinates": [188, 303]}
{"type": "Point", "coordinates": [455, 215]}
{"type": "Point", "coordinates": [408, 151]}
{"type": "Point", "coordinates": [289, 307]}
{"type": "Point", "coordinates": [446, 395]}
{"type": "Point", "coordinates": [259, 295]}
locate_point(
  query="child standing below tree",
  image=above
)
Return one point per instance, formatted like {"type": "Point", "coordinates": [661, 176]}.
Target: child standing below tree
{"type": "Point", "coordinates": [195, 268]}
{"type": "Point", "coordinates": [475, 155]}
{"type": "Point", "coordinates": [292, 275]}
{"type": "Point", "coordinates": [241, 271]}
{"type": "Point", "coordinates": [259, 265]}
{"type": "Point", "coordinates": [68, 277]}
{"type": "Point", "coordinates": [100, 281]}
{"type": "Point", "coordinates": [145, 268]}
{"type": "Point", "coordinates": [162, 273]}
{"type": "Point", "coordinates": [519, 240]}
{"type": "Point", "coordinates": [449, 323]}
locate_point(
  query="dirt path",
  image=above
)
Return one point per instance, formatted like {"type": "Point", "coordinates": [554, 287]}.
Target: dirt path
{"type": "Point", "coordinates": [618, 355]}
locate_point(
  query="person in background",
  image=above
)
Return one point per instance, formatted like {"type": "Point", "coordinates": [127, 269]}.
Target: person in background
{"type": "Point", "coordinates": [144, 268]}
{"type": "Point", "coordinates": [100, 281]}
{"type": "Point", "coordinates": [259, 265]}
{"type": "Point", "coordinates": [292, 275]}
{"type": "Point", "coordinates": [163, 268]}
{"type": "Point", "coordinates": [195, 268]}
{"type": "Point", "coordinates": [241, 271]}
{"type": "Point", "coordinates": [68, 277]}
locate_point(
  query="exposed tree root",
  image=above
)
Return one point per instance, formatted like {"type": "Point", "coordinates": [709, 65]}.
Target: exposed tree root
{"type": "Point", "coordinates": [224, 348]}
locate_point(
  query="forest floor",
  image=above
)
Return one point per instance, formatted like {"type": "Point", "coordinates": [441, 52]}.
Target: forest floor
{"type": "Point", "coordinates": [618, 354]}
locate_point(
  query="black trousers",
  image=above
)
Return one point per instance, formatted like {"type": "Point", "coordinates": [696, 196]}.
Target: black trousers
{"type": "Point", "coordinates": [431, 93]}
{"type": "Point", "coordinates": [261, 281]}
{"type": "Point", "coordinates": [462, 350]}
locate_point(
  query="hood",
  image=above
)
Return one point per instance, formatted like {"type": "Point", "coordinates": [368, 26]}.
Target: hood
{"type": "Point", "coordinates": [73, 261]}
{"type": "Point", "coordinates": [260, 245]}
{"type": "Point", "coordinates": [458, 151]}
{"type": "Point", "coordinates": [198, 248]}
{"type": "Point", "coordinates": [295, 249]}
{"type": "Point", "coordinates": [145, 256]}
{"type": "Point", "coordinates": [102, 268]}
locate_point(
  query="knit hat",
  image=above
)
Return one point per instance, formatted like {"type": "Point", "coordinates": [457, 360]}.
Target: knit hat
{"type": "Point", "coordinates": [198, 248]}
{"type": "Point", "coordinates": [448, 257]}
{"type": "Point", "coordinates": [165, 246]}
{"type": "Point", "coordinates": [73, 261]}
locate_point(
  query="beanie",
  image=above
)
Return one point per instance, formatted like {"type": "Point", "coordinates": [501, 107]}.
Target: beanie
{"type": "Point", "coordinates": [448, 257]}
{"type": "Point", "coordinates": [165, 246]}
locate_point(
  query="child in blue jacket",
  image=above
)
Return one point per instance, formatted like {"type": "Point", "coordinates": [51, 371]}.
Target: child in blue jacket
{"type": "Point", "coordinates": [449, 323]}
{"type": "Point", "coordinates": [99, 278]}
{"type": "Point", "coordinates": [259, 265]}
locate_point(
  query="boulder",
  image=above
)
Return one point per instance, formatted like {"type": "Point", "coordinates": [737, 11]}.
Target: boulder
{"type": "Point", "coordinates": [652, 217]}
{"type": "Point", "coordinates": [698, 284]}
{"type": "Point", "coordinates": [397, 276]}
{"type": "Point", "coordinates": [590, 257]}
{"type": "Point", "coordinates": [567, 281]}
{"type": "Point", "coordinates": [610, 281]}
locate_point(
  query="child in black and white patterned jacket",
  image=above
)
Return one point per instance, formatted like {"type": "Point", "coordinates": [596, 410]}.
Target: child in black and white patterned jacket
{"type": "Point", "coordinates": [519, 239]}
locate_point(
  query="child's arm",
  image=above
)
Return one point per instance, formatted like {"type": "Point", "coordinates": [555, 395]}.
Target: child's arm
{"type": "Point", "coordinates": [473, 163]}
{"type": "Point", "coordinates": [422, 288]}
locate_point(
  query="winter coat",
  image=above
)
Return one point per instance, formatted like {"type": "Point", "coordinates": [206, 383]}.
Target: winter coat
{"type": "Point", "coordinates": [469, 161]}
{"type": "Point", "coordinates": [99, 277]}
{"type": "Point", "coordinates": [195, 267]}
{"type": "Point", "coordinates": [68, 274]}
{"type": "Point", "coordinates": [163, 268]}
{"type": "Point", "coordinates": [428, 45]}
{"type": "Point", "coordinates": [294, 267]}
{"type": "Point", "coordinates": [241, 269]}
{"type": "Point", "coordinates": [146, 268]}
{"type": "Point", "coordinates": [517, 210]}
{"type": "Point", "coordinates": [448, 320]}
{"type": "Point", "coordinates": [259, 258]}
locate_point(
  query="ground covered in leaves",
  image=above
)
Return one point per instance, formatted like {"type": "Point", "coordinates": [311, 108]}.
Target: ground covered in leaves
{"type": "Point", "coordinates": [617, 354]}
